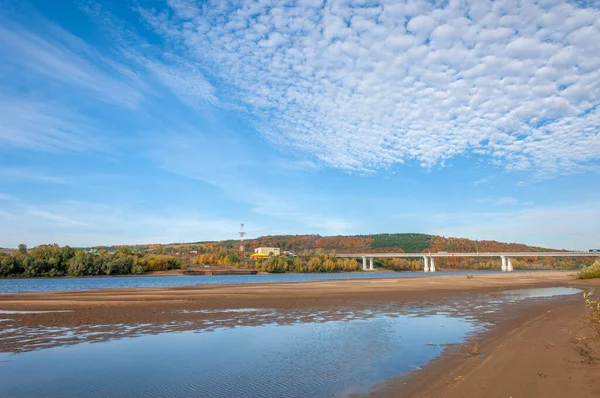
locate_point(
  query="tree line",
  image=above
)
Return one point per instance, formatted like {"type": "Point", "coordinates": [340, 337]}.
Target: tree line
{"type": "Point", "coordinates": [310, 252]}
{"type": "Point", "coordinates": [53, 260]}
{"type": "Point", "coordinates": [318, 263]}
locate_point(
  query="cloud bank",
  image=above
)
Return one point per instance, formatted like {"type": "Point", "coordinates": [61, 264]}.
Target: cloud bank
{"type": "Point", "coordinates": [368, 85]}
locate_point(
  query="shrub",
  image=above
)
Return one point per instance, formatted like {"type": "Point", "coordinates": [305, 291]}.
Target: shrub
{"type": "Point", "coordinates": [7, 265]}
{"type": "Point", "coordinates": [159, 262]}
{"type": "Point", "coordinates": [591, 272]}
{"type": "Point", "coordinates": [119, 266]}
{"type": "Point", "coordinates": [137, 269]}
{"type": "Point", "coordinates": [79, 264]}
{"type": "Point", "coordinates": [592, 314]}
{"type": "Point", "coordinates": [273, 264]}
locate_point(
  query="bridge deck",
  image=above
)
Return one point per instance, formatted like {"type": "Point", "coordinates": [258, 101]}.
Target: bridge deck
{"type": "Point", "coordinates": [486, 254]}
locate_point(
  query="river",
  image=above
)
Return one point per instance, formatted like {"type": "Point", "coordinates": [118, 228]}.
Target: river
{"type": "Point", "coordinates": [31, 285]}
{"type": "Point", "coordinates": [248, 352]}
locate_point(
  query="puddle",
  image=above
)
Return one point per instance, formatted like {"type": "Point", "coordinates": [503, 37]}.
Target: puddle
{"type": "Point", "coordinates": [541, 292]}
{"type": "Point", "coordinates": [226, 311]}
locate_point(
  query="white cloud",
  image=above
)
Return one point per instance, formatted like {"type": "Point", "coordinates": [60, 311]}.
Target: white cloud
{"type": "Point", "coordinates": [66, 78]}
{"type": "Point", "coordinates": [85, 224]}
{"type": "Point", "coordinates": [246, 177]}
{"type": "Point", "coordinates": [364, 88]}
{"type": "Point", "coordinates": [42, 126]}
{"type": "Point", "coordinates": [62, 58]}
{"type": "Point", "coordinates": [58, 219]}
{"type": "Point", "coordinates": [506, 201]}
{"type": "Point", "coordinates": [23, 174]}
{"type": "Point", "coordinates": [499, 201]}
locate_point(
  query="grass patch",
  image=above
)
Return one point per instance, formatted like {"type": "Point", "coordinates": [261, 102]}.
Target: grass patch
{"type": "Point", "coordinates": [592, 313]}
{"type": "Point", "coordinates": [591, 272]}
{"type": "Point", "coordinates": [588, 347]}
{"type": "Point", "coordinates": [470, 276]}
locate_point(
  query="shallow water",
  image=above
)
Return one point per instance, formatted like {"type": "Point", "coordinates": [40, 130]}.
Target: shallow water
{"type": "Point", "coordinates": [314, 359]}
{"type": "Point", "coordinates": [540, 292]}
{"type": "Point", "coordinates": [256, 352]}
{"type": "Point", "coordinates": [89, 283]}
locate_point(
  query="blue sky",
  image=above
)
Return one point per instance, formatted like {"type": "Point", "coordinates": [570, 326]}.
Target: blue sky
{"type": "Point", "coordinates": [127, 121]}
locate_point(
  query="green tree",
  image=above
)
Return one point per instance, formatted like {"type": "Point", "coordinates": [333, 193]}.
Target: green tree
{"type": "Point", "coordinates": [299, 265]}
{"type": "Point", "coordinates": [32, 267]}
{"type": "Point", "coordinates": [80, 264]}
{"type": "Point", "coordinates": [314, 264]}
{"type": "Point", "coordinates": [7, 265]}
{"type": "Point", "coordinates": [23, 248]}
{"type": "Point", "coordinates": [118, 266]}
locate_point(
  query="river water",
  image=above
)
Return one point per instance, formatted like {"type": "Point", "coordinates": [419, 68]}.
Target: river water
{"type": "Point", "coordinates": [89, 283]}
{"type": "Point", "coordinates": [248, 352]}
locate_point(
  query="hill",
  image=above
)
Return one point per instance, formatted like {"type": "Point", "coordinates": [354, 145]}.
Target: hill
{"type": "Point", "coordinates": [302, 253]}
{"type": "Point", "coordinates": [386, 243]}
{"type": "Point", "coordinates": [306, 246]}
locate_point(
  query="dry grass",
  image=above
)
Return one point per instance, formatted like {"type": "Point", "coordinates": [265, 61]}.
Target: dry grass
{"type": "Point", "coordinates": [588, 347]}
{"type": "Point", "coordinates": [470, 350]}
{"type": "Point", "coordinates": [591, 272]}
{"type": "Point", "coordinates": [470, 276]}
{"type": "Point", "coordinates": [592, 314]}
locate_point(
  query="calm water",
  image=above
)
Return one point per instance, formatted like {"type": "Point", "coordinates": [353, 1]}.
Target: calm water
{"type": "Point", "coordinates": [57, 284]}
{"type": "Point", "coordinates": [315, 359]}
{"type": "Point", "coordinates": [251, 352]}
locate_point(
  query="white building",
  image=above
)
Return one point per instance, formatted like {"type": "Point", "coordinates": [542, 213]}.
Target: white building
{"type": "Point", "coordinates": [269, 251]}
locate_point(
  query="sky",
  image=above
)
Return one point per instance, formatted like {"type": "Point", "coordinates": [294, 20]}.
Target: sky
{"type": "Point", "coordinates": [158, 121]}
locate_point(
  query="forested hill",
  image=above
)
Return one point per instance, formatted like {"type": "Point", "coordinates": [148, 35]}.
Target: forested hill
{"type": "Point", "coordinates": [401, 242]}
{"type": "Point", "coordinates": [311, 253]}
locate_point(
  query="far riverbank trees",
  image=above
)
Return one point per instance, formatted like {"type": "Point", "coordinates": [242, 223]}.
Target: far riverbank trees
{"type": "Point", "coordinates": [53, 260]}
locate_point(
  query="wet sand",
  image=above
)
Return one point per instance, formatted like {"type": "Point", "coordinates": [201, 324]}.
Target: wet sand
{"type": "Point", "coordinates": [537, 352]}
{"type": "Point", "coordinates": [530, 352]}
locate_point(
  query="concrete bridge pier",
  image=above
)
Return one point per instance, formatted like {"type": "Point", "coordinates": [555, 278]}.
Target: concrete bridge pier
{"type": "Point", "coordinates": [504, 268]}
{"type": "Point", "coordinates": [371, 264]}
{"type": "Point", "coordinates": [426, 264]}
{"type": "Point", "coordinates": [364, 264]}
{"type": "Point", "coordinates": [509, 266]}
{"type": "Point", "coordinates": [431, 265]}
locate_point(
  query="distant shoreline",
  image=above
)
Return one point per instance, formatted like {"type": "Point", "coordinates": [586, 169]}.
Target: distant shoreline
{"type": "Point", "coordinates": [177, 272]}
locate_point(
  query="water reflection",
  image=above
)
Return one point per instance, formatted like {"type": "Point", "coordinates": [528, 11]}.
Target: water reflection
{"type": "Point", "coordinates": [540, 292]}
{"type": "Point", "coordinates": [333, 358]}
{"type": "Point", "coordinates": [19, 335]}
{"type": "Point", "coordinates": [264, 352]}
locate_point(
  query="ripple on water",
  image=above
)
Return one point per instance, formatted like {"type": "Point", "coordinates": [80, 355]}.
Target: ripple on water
{"type": "Point", "coordinates": [311, 359]}
{"type": "Point", "coordinates": [299, 352]}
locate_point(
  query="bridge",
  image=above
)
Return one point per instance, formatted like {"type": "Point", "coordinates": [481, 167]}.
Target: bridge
{"type": "Point", "coordinates": [429, 258]}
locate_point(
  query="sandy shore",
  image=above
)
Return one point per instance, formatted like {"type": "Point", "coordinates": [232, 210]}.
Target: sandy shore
{"type": "Point", "coordinates": [533, 353]}
{"type": "Point", "coordinates": [530, 352]}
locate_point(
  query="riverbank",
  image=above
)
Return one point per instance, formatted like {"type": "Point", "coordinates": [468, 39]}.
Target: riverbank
{"type": "Point", "coordinates": [284, 294]}
{"type": "Point", "coordinates": [538, 351]}
{"type": "Point", "coordinates": [526, 340]}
